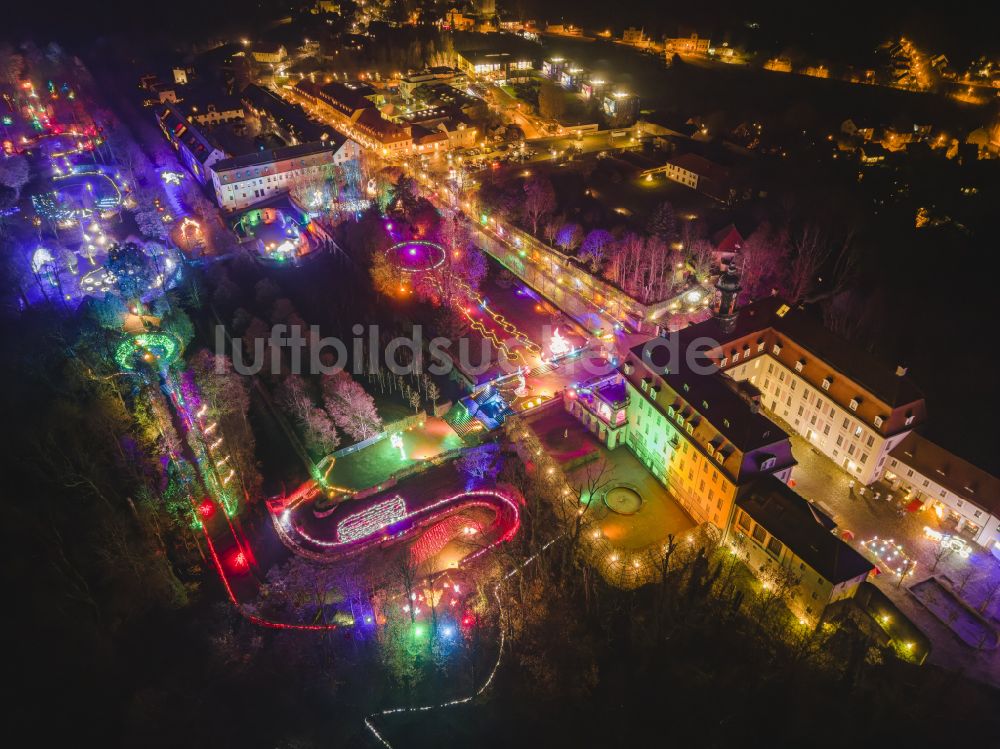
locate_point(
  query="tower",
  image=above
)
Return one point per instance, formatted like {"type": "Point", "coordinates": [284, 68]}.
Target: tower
{"type": "Point", "coordinates": [728, 288]}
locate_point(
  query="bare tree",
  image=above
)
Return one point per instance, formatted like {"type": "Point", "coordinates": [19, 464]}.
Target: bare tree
{"type": "Point", "coordinates": [942, 552]}
{"type": "Point", "coordinates": [992, 591]}
{"type": "Point", "coordinates": [812, 247]}
{"type": "Point", "coordinates": [777, 585]}
{"type": "Point", "coordinates": [539, 200]}
{"type": "Point", "coordinates": [589, 485]}
{"type": "Point", "coordinates": [964, 579]}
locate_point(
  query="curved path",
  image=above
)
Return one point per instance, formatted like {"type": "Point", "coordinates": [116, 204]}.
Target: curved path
{"type": "Point", "coordinates": [358, 526]}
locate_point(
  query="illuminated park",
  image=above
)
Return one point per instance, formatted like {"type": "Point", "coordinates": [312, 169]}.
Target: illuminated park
{"type": "Point", "coordinates": [410, 376]}
{"type": "Point", "coordinates": [280, 234]}
{"type": "Point", "coordinates": [416, 256]}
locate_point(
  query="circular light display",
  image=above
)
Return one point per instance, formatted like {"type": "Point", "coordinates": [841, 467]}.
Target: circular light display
{"type": "Point", "coordinates": [416, 255]}
{"type": "Point", "coordinates": [162, 348]}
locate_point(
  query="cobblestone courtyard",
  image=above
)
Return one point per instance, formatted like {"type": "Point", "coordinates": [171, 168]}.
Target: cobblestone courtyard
{"type": "Point", "coordinates": [822, 481]}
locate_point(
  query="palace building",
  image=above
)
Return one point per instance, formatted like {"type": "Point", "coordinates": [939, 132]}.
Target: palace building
{"type": "Point", "coordinates": [965, 497]}
{"type": "Point", "coordinates": [702, 409]}
{"type": "Point", "coordinates": [774, 528]}
{"type": "Point", "coordinates": [850, 406]}
{"type": "Point", "coordinates": [255, 177]}
{"type": "Point", "coordinates": [701, 436]}
{"type": "Point", "coordinates": [196, 151]}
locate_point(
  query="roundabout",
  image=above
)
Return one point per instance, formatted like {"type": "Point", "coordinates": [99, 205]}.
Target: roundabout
{"type": "Point", "coordinates": [416, 255]}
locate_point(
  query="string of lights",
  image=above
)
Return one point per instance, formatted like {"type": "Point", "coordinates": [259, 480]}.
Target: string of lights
{"type": "Point", "coordinates": [370, 725]}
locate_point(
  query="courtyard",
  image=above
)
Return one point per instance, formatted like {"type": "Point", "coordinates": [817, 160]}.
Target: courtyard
{"type": "Point", "coordinates": [819, 479]}
{"type": "Point", "coordinates": [640, 522]}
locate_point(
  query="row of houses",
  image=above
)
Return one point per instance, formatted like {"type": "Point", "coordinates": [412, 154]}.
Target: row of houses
{"type": "Point", "coordinates": [355, 106]}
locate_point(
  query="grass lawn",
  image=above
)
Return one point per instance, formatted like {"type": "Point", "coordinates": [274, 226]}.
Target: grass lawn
{"type": "Point", "coordinates": [377, 462]}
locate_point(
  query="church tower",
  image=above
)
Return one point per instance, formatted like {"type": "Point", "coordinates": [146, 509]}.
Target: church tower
{"type": "Point", "coordinates": [728, 288]}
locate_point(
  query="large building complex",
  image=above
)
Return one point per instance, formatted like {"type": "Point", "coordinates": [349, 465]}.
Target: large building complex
{"type": "Point", "coordinates": [781, 535]}
{"type": "Point", "coordinates": [494, 66]}
{"type": "Point", "coordinates": [196, 150]}
{"type": "Point", "coordinates": [246, 180]}
{"type": "Point", "coordinates": [964, 496]}
{"type": "Point", "coordinates": [410, 82]}
{"type": "Point", "coordinates": [702, 436]}
{"type": "Point", "coordinates": [845, 402]}
{"type": "Point", "coordinates": [687, 45]}
{"type": "Point", "coordinates": [289, 119]}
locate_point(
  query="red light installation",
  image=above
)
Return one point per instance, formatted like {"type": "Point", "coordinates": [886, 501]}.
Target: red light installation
{"type": "Point", "coordinates": [240, 563]}
{"type": "Point", "coordinates": [253, 618]}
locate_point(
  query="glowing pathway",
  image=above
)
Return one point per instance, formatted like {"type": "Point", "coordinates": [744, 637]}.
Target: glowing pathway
{"type": "Point", "coordinates": [369, 724]}
{"type": "Point", "coordinates": [391, 520]}
{"type": "Point", "coordinates": [502, 322]}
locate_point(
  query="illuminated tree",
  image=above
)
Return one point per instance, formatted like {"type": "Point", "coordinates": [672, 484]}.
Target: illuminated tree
{"type": "Point", "coordinates": [414, 399]}
{"type": "Point", "coordinates": [318, 433]}
{"type": "Point", "coordinates": [595, 246]}
{"type": "Point", "coordinates": [482, 462]}
{"type": "Point", "coordinates": [569, 236]}
{"type": "Point", "coordinates": [132, 270]}
{"type": "Point", "coordinates": [432, 392]}
{"type": "Point", "coordinates": [701, 255]}
{"type": "Point", "coordinates": [14, 173]}
{"type": "Point", "coordinates": [643, 267]}
{"type": "Point", "coordinates": [350, 406]}
{"type": "Point", "coordinates": [777, 586]}
{"type": "Point", "coordinates": [760, 260]}
{"type": "Point", "coordinates": [385, 276]}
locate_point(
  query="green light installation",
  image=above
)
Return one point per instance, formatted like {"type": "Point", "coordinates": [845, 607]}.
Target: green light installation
{"type": "Point", "coordinates": [152, 347]}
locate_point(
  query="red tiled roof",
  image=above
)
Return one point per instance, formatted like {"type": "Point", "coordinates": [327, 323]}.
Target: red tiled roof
{"type": "Point", "coordinates": [956, 474]}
